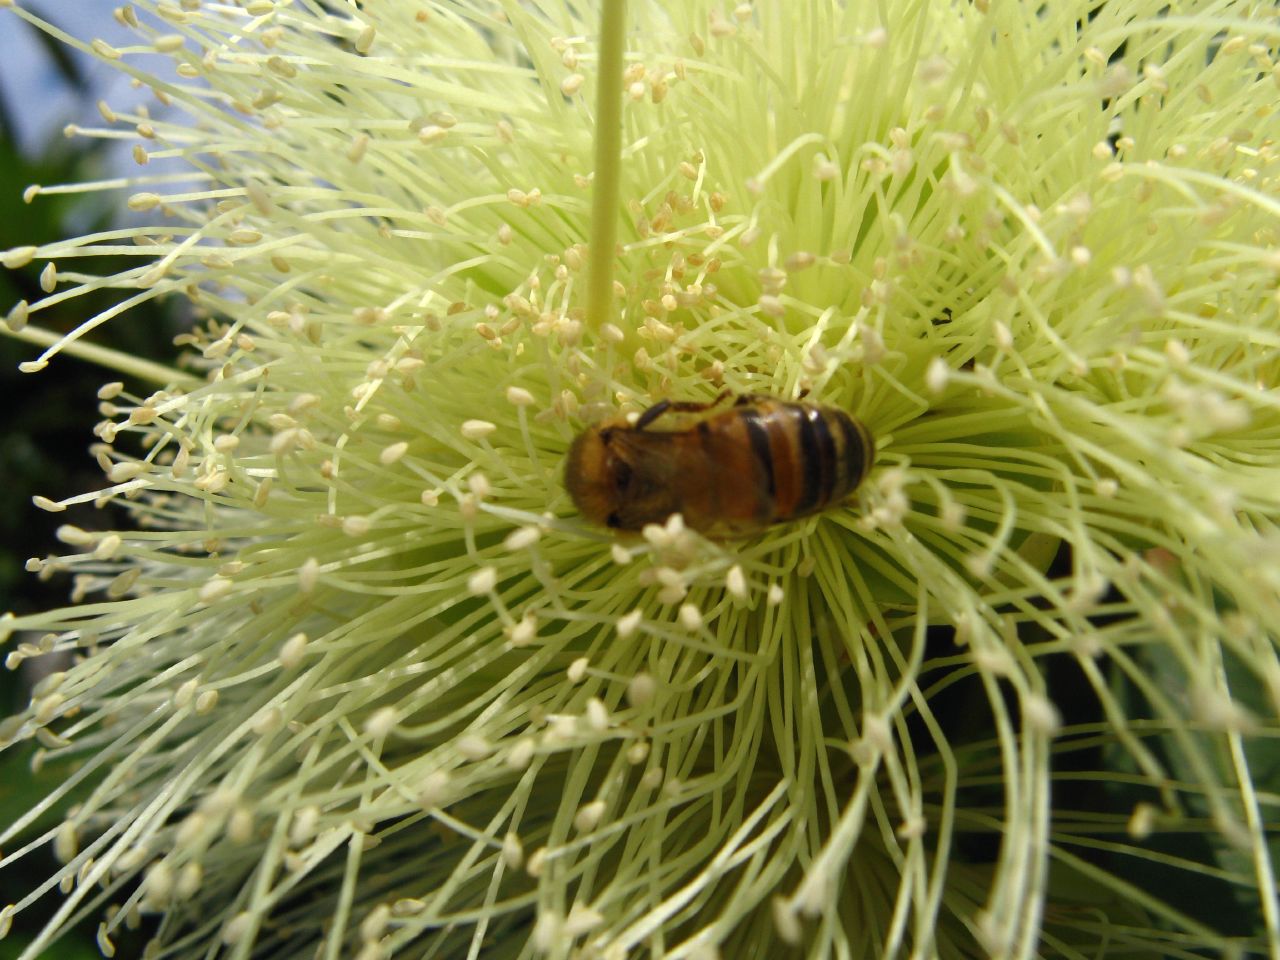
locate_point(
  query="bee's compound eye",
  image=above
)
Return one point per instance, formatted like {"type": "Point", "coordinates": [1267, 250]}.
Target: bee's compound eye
{"type": "Point", "coordinates": [613, 520]}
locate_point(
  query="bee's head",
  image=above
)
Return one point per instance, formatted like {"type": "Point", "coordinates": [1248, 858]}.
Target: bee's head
{"type": "Point", "coordinates": [600, 477]}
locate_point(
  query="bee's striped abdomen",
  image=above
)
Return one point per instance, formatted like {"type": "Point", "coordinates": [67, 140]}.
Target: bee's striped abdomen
{"type": "Point", "coordinates": [807, 456]}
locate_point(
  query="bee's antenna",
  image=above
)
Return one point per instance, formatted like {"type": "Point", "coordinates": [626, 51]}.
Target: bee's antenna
{"type": "Point", "coordinates": [652, 414]}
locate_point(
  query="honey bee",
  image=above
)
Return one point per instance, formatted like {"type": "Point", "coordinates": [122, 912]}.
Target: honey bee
{"type": "Point", "coordinates": [759, 462]}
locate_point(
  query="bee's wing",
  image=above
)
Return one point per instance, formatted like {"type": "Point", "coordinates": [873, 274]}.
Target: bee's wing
{"type": "Point", "coordinates": [666, 468]}
{"type": "Point", "coordinates": [651, 454]}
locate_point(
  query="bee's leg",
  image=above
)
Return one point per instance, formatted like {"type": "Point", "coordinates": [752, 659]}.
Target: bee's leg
{"type": "Point", "coordinates": [681, 406]}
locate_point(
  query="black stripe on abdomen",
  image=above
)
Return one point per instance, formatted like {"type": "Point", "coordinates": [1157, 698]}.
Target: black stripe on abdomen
{"type": "Point", "coordinates": [826, 464]}
{"type": "Point", "coordinates": [857, 451]}
{"type": "Point", "coordinates": [760, 449]}
{"type": "Point", "coordinates": [807, 465]}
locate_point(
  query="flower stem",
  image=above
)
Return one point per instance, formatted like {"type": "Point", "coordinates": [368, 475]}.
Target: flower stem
{"type": "Point", "coordinates": [608, 165]}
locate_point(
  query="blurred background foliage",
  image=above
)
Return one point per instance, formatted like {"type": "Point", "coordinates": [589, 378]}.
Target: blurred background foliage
{"type": "Point", "coordinates": [46, 431]}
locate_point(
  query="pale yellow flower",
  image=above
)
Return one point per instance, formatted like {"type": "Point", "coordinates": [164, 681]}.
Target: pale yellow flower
{"type": "Point", "coordinates": [359, 683]}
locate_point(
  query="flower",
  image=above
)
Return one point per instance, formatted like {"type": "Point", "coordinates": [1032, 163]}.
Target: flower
{"type": "Point", "coordinates": [357, 682]}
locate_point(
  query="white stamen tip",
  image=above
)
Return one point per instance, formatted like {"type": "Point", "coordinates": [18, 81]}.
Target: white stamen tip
{"type": "Point", "coordinates": [1142, 822]}
{"type": "Point", "coordinates": [523, 633]}
{"type": "Point", "coordinates": [482, 581]}
{"type": "Point", "coordinates": [628, 623]}
{"type": "Point", "coordinates": [474, 747]}
{"type": "Point", "coordinates": [434, 790]}
{"type": "Point", "coordinates": [512, 851]}
{"type": "Point", "coordinates": [735, 582]}
{"type": "Point", "coordinates": [393, 453]}
{"type": "Point", "coordinates": [589, 815]}
{"type": "Point", "coordinates": [381, 722]}
{"type": "Point", "coordinates": [597, 715]}
{"type": "Point", "coordinates": [1041, 715]}
{"type": "Point", "coordinates": [641, 689]}
{"type": "Point", "coordinates": [356, 526]}
{"type": "Point", "coordinates": [215, 589]}
{"type": "Point", "coordinates": [308, 575]}
{"type": "Point", "coordinates": [936, 375]}
{"type": "Point", "coordinates": [236, 928]}
{"type": "Point", "coordinates": [690, 616]}
{"type": "Point", "coordinates": [786, 921]}
{"type": "Point", "coordinates": [477, 429]}
{"type": "Point", "coordinates": [522, 539]}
